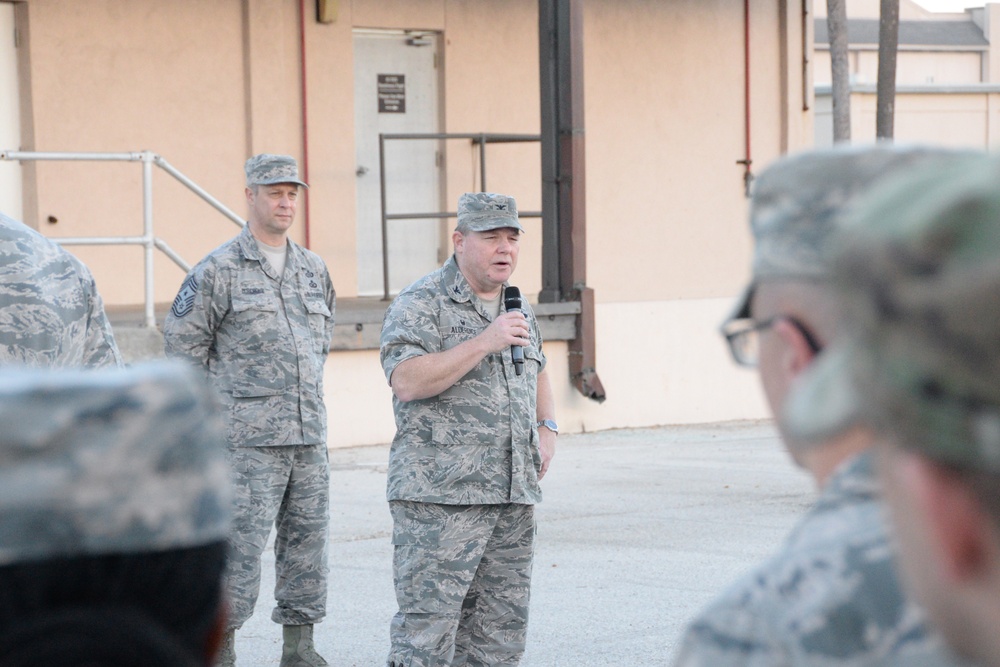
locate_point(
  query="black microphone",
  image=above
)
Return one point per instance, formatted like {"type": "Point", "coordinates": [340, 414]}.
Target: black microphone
{"type": "Point", "coordinates": [512, 302]}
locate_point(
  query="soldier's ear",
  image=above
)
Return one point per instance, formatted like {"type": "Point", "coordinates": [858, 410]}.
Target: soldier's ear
{"type": "Point", "coordinates": [796, 352]}
{"type": "Point", "coordinates": [458, 240]}
{"type": "Point", "coordinates": [959, 527]}
{"type": "Point", "coordinates": [249, 194]}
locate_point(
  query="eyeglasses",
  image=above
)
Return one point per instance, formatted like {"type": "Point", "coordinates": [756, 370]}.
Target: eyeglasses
{"type": "Point", "coordinates": [743, 337]}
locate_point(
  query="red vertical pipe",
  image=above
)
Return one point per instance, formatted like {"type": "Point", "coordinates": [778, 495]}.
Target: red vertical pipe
{"type": "Point", "coordinates": [305, 116]}
{"type": "Point", "coordinates": [747, 160]}
{"type": "Point", "coordinates": [746, 71]}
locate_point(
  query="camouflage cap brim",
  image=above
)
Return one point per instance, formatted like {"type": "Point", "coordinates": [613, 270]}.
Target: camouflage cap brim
{"type": "Point", "coordinates": [290, 181]}
{"type": "Point", "coordinates": [489, 224]}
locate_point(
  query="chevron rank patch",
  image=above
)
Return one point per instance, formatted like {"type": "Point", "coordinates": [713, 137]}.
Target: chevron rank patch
{"type": "Point", "coordinates": [184, 301]}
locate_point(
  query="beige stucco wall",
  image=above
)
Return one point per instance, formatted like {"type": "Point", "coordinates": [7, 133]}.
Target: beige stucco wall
{"type": "Point", "coordinates": [912, 67]}
{"type": "Point", "coordinates": [961, 119]}
{"type": "Point", "coordinates": [10, 124]}
{"type": "Point", "coordinates": [160, 76]}
{"type": "Point", "coordinates": [207, 84]}
{"type": "Point", "coordinates": [870, 9]}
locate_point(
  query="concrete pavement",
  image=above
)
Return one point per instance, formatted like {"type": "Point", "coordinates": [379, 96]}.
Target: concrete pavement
{"type": "Point", "coordinates": [639, 528]}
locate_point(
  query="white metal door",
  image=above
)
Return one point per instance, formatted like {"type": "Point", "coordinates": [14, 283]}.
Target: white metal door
{"type": "Point", "coordinates": [396, 91]}
{"type": "Point", "coordinates": [10, 129]}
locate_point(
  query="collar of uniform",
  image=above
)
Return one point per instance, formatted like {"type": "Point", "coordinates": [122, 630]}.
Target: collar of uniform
{"type": "Point", "coordinates": [457, 286]}
{"type": "Point", "coordinates": [459, 290]}
{"type": "Point", "coordinates": [248, 244]}
{"type": "Point", "coordinates": [250, 250]}
{"type": "Point", "coordinates": [853, 478]}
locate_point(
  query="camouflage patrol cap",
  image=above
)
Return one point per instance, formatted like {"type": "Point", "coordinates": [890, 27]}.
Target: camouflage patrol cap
{"type": "Point", "coordinates": [267, 169]}
{"type": "Point", "coordinates": [919, 290]}
{"type": "Point", "coordinates": [801, 201]}
{"type": "Point", "coordinates": [483, 211]}
{"type": "Point", "coordinates": [109, 462]}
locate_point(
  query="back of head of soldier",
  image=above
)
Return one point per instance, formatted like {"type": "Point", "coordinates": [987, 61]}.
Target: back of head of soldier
{"type": "Point", "coordinates": [786, 316]}
{"type": "Point", "coordinates": [114, 512]}
{"type": "Point", "coordinates": [918, 279]}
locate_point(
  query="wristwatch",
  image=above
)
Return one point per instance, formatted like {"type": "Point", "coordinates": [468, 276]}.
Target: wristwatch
{"type": "Point", "coordinates": [549, 424]}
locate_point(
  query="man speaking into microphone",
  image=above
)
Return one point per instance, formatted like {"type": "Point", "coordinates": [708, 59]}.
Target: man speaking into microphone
{"type": "Point", "coordinates": [475, 433]}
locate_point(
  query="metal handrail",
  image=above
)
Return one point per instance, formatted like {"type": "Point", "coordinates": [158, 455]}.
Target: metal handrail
{"type": "Point", "coordinates": [147, 240]}
{"type": "Point", "coordinates": [481, 138]}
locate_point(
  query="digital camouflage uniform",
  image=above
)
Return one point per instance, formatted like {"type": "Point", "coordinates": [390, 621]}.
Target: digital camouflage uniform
{"type": "Point", "coordinates": [50, 312]}
{"type": "Point", "coordinates": [262, 339]}
{"type": "Point", "coordinates": [829, 597]}
{"type": "Point", "coordinates": [462, 481]}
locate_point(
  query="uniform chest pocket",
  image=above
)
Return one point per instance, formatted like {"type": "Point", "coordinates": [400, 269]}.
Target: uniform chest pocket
{"type": "Point", "coordinates": [316, 306]}
{"type": "Point", "coordinates": [318, 313]}
{"type": "Point", "coordinates": [254, 322]}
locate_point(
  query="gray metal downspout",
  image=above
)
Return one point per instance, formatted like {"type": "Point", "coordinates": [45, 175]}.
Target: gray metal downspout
{"type": "Point", "coordinates": [564, 240]}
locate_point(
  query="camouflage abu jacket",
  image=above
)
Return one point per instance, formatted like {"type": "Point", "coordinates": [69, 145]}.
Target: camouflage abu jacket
{"type": "Point", "coordinates": [476, 442]}
{"type": "Point", "coordinates": [829, 597]}
{"type": "Point", "coordinates": [50, 312]}
{"type": "Point", "coordinates": [262, 341]}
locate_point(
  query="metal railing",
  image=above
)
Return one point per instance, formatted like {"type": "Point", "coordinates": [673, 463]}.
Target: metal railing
{"type": "Point", "coordinates": [147, 239]}
{"type": "Point", "coordinates": [481, 138]}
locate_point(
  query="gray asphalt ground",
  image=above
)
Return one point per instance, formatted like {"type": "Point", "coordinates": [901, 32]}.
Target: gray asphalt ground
{"type": "Point", "coordinates": [638, 530]}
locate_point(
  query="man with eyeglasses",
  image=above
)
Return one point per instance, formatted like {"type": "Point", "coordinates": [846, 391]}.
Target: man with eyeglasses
{"type": "Point", "coordinates": [918, 283]}
{"type": "Point", "coordinates": [830, 595]}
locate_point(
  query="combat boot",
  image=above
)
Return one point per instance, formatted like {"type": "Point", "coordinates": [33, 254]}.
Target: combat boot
{"type": "Point", "coordinates": [227, 652]}
{"type": "Point", "coordinates": [298, 650]}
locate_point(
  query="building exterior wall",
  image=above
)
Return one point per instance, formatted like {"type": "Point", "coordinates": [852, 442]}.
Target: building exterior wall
{"type": "Point", "coordinates": [10, 123]}
{"type": "Point", "coordinates": [961, 118]}
{"type": "Point", "coordinates": [908, 11]}
{"type": "Point", "coordinates": [912, 67]}
{"type": "Point", "coordinates": [945, 95]}
{"type": "Point", "coordinates": [207, 84]}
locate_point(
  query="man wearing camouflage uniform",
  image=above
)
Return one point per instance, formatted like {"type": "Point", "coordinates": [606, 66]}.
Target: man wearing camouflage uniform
{"type": "Point", "coordinates": [256, 316]}
{"type": "Point", "coordinates": [830, 595]}
{"type": "Point", "coordinates": [473, 438]}
{"type": "Point", "coordinates": [918, 291]}
{"type": "Point", "coordinates": [50, 312]}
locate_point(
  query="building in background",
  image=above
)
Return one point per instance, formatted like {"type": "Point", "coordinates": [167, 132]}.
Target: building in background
{"type": "Point", "coordinates": [206, 84]}
{"type": "Point", "coordinates": [947, 75]}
